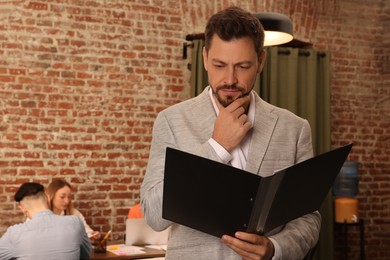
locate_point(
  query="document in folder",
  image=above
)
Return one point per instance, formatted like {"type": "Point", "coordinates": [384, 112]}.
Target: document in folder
{"type": "Point", "coordinates": [219, 199]}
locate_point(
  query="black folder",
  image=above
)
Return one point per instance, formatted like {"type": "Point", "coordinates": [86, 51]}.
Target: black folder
{"type": "Point", "coordinates": [219, 199]}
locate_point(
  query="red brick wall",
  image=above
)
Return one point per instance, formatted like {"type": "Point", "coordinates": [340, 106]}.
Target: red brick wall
{"type": "Point", "coordinates": [81, 82]}
{"type": "Point", "coordinates": [80, 85]}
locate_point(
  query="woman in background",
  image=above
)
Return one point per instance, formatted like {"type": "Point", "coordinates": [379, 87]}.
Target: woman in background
{"type": "Point", "coordinates": [59, 193]}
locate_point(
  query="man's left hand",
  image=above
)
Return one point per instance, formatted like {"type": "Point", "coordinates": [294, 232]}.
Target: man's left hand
{"type": "Point", "coordinates": [250, 246]}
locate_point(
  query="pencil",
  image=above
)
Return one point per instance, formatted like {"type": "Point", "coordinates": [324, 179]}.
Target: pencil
{"type": "Point", "coordinates": [106, 236]}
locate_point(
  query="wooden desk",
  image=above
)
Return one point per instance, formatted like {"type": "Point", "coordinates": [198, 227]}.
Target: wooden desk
{"type": "Point", "coordinates": [149, 253]}
{"type": "Point", "coordinates": [108, 255]}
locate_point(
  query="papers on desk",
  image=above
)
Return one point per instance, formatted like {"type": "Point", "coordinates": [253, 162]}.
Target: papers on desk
{"type": "Point", "coordinates": [126, 250]}
{"type": "Point", "coordinates": [123, 249]}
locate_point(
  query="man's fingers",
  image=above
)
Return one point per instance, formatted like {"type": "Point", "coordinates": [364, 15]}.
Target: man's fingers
{"type": "Point", "coordinates": [238, 112]}
{"type": "Point", "coordinates": [251, 238]}
{"type": "Point", "coordinates": [242, 119]}
{"type": "Point", "coordinates": [239, 102]}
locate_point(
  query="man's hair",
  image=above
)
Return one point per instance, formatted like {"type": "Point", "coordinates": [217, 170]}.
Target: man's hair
{"type": "Point", "coordinates": [28, 189]}
{"type": "Point", "coordinates": [235, 23]}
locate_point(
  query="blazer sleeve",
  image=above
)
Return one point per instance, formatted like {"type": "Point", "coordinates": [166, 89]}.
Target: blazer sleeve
{"type": "Point", "coordinates": [152, 185]}
{"type": "Point", "coordinates": [169, 130]}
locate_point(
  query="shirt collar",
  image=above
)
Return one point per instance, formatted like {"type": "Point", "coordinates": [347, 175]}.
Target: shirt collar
{"type": "Point", "coordinates": [43, 212]}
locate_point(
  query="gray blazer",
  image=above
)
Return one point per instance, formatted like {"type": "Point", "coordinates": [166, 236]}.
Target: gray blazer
{"type": "Point", "coordinates": [279, 139]}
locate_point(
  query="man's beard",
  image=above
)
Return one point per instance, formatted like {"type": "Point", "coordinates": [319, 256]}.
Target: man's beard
{"type": "Point", "coordinates": [229, 98]}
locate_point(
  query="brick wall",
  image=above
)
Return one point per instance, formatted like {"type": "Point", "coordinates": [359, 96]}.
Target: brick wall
{"type": "Point", "coordinates": [80, 85]}
{"type": "Point", "coordinates": [81, 82]}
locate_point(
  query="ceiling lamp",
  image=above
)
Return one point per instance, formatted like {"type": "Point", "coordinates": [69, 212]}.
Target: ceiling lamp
{"type": "Point", "coordinates": [277, 28]}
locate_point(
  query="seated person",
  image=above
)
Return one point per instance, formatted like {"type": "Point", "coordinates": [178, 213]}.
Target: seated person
{"type": "Point", "coordinates": [135, 211]}
{"type": "Point", "coordinates": [45, 235]}
{"type": "Point", "coordinates": [59, 193]}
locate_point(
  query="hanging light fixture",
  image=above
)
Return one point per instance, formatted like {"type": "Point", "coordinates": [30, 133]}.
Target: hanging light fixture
{"type": "Point", "coordinates": [278, 28]}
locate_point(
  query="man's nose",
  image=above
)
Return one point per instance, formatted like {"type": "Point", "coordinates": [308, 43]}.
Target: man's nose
{"type": "Point", "coordinates": [231, 76]}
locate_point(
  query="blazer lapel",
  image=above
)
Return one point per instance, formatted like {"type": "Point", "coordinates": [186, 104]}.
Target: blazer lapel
{"type": "Point", "coordinates": [265, 121]}
{"type": "Point", "coordinates": [264, 125]}
{"type": "Point", "coordinates": [204, 114]}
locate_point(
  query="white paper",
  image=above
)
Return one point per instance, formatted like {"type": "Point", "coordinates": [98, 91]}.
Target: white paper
{"type": "Point", "coordinates": [122, 249]}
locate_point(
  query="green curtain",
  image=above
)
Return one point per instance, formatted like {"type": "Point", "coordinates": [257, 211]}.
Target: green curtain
{"type": "Point", "coordinates": [298, 80]}
{"type": "Point", "coordinates": [198, 73]}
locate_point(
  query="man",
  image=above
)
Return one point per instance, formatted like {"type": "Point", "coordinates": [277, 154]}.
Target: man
{"type": "Point", "coordinates": [230, 123]}
{"type": "Point", "coordinates": [45, 235]}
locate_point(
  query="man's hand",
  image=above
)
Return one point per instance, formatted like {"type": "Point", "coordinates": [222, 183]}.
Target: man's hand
{"type": "Point", "coordinates": [232, 124]}
{"type": "Point", "coordinates": [250, 246]}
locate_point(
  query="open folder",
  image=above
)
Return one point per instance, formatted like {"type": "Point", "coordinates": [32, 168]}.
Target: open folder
{"type": "Point", "coordinates": [219, 199]}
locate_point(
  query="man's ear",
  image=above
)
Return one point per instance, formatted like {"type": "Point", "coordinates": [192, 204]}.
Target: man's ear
{"type": "Point", "coordinates": [261, 61]}
{"type": "Point", "coordinates": [205, 57]}
{"type": "Point", "coordinates": [23, 209]}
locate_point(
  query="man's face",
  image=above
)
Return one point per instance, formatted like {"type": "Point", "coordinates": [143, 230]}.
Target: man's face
{"type": "Point", "coordinates": [232, 67]}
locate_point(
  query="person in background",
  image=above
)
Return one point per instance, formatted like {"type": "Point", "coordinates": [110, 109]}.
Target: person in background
{"type": "Point", "coordinates": [229, 123]}
{"type": "Point", "coordinates": [59, 193]}
{"type": "Point", "coordinates": [45, 235]}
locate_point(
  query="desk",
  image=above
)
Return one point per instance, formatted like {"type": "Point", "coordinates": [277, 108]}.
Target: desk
{"type": "Point", "coordinates": [149, 253]}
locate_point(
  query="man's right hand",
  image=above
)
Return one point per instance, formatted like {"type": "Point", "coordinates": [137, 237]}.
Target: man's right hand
{"type": "Point", "coordinates": [232, 125]}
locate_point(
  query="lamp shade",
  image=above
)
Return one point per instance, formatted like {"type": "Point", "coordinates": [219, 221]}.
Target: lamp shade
{"type": "Point", "coordinates": [278, 28]}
